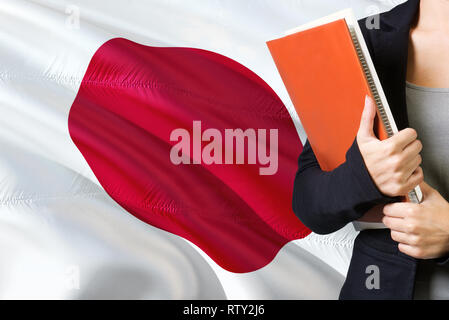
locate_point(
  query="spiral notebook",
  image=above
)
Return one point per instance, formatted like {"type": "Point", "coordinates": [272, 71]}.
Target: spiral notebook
{"type": "Point", "coordinates": [327, 70]}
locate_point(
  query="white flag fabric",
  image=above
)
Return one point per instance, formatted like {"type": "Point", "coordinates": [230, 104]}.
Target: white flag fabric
{"type": "Point", "coordinates": [61, 235]}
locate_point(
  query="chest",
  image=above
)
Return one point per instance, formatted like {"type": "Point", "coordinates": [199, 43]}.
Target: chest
{"type": "Point", "coordinates": [428, 114]}
{"type": "Point", "coordinates": [428, 59]}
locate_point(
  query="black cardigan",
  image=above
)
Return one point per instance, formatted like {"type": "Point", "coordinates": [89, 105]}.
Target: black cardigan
{"type": "Point", "coordinates": [327, 201]}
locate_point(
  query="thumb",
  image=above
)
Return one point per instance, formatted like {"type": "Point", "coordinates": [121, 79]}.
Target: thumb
{"type": "Point", "coordinates": [367, 121]}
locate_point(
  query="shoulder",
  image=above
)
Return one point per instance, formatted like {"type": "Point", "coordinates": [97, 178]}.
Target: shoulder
{"type": "Point", "coordinates": [373, 27]}
{"type": "Point", "coordinates": [377, 28]}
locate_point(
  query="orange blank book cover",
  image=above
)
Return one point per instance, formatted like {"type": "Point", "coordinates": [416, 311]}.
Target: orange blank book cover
{"type": "Point", "coordinates": [327, 85]}
{"type": "Point", "coordinates": [327, 70]}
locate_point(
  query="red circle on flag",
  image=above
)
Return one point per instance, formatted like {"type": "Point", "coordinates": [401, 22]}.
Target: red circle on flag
{"type": "Point", "coordinates": [133, 97]}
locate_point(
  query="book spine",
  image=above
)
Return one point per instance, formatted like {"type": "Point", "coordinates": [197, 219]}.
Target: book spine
{"type": "Point", "coordinates": [412, 195]}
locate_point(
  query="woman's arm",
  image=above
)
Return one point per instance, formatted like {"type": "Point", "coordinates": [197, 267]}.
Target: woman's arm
{"type": "Point", "coordinates": [375, 173]}
{"type": "Point", "coordinates": [327, 201]}
{"type": "Point", "coordinates": [422, 230]}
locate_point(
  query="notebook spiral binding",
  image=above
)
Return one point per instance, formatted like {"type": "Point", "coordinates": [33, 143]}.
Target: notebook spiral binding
{"type": "Point", "coordinates": [413, 197]}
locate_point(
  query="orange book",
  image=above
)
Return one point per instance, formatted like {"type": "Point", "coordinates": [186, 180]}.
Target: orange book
{"type": "Point", "coordinates": [327, 70]}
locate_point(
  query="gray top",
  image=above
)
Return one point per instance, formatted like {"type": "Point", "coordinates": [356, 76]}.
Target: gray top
{"type": "Point", "coordinates": [428, 114]}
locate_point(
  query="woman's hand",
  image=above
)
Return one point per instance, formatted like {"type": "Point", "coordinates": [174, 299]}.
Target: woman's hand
{"type": "Point", "coordinates": [394, 163]}
{"type": "Point", "coordinates": [422, 230]}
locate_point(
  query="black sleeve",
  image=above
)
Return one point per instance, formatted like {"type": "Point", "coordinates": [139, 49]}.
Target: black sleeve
{"type": "Point", "coordinates": [326, 201]}
{"type": "Point", "coordinates": [443, 261]}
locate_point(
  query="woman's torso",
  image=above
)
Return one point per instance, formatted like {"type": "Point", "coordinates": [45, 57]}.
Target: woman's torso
{"type": "Point", "coordinates": [428, 114]}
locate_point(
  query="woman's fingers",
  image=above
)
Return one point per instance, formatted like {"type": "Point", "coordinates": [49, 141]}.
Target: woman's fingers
{"type": "Point", "coordinates": [404, 238]}
{"type": "Point", "coordinates": [415, 179]}
{"type": "Point", "coordinates": [411, 167]}
{"type": "Point", "coordinates": [396, 224]}
{"type": "Point", "coordinates": [412, 150]}
{"type": "Point", "coordinates": [403, 138]}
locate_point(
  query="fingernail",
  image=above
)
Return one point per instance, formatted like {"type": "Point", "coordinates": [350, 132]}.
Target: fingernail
{"type": "Point", "coordinates": [366, 99]}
